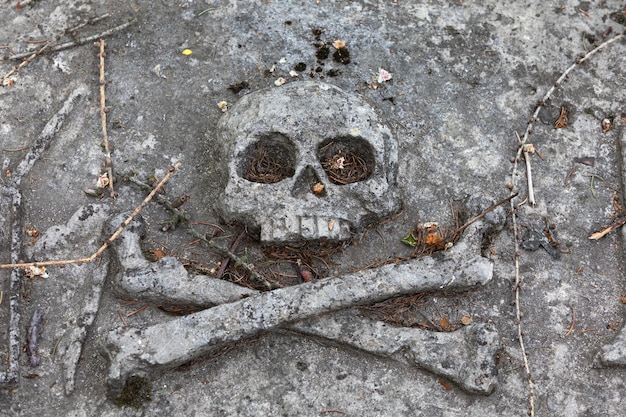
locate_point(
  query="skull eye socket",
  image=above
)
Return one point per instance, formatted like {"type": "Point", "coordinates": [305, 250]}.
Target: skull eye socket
{"type": "Point", "coordinates": [270, 159]}
{"type": "Point", "coordinates": [346, 159]}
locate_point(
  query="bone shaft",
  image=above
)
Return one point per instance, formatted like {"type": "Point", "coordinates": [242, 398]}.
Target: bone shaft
{"type": "Point", "coordinates": [455, 355]}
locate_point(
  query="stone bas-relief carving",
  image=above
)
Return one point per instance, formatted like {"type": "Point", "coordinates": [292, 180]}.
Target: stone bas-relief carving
{"type": "Point", "coordinates": [466, 356]}
{"type": "Point", "coordinates": [81, 285]}
{"type": "Point", "coordinates": [306, 161]}
{"type": "Point", "coordinates": [319, 160]}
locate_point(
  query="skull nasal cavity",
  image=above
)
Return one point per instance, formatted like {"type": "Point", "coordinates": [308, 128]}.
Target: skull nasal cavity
{"type": "Point", "coordinates": [347, 159]}
{"type": "Point", "coordinates": [270, 159]}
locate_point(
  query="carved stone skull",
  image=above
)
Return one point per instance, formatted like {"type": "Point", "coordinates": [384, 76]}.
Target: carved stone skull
{"type": "Point", "coordinates": [306, 161]}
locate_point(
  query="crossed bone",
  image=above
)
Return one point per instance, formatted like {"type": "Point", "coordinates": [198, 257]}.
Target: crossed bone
{"type": "Point", "coordinates": [466, 356]}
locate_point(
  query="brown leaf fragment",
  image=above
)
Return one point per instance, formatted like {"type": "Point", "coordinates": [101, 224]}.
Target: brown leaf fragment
{"type": "Point", "coordinates": [562, 121]}
{"type": "Point", "coordinates": [445, 385]}
{"type": "Point", "coordinates": [155, 255]}
{"type": "Point", "coordinates": [607, 124]}
{"type": "Point", "coordinates": [443, 323]}
{"type": "Point", "coordinates": [599, 235]}
{"type": "Point", "coordinates": [617, 223]}
{"type": "Point", "coordinates": [586, 160]}
{"type": "Point", "coordinates": [613, 325]}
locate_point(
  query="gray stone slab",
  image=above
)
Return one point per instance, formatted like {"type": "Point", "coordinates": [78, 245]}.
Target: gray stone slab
{"type": "Point", "coordinates": [466, 77]}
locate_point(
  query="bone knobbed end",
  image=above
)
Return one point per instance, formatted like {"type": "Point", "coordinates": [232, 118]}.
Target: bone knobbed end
{"type": "Point", "coordinates": [166, 281]}
{"type": "Point", "coordinates": [120, 347]}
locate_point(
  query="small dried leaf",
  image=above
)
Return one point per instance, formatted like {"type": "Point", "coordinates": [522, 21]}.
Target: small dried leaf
{"type": "Point", "coordinates": [156, 254]}
{"type": "Point", "coordinates": [32, 232]}
{"type": "Point", "coordinates": [410, 240]}
{"type": "Point", "coordinates": [307, 276]}
{"type": "Point", "coordinates": [562, 121]}
{"type": "Point", "coordinates": [445, 385]}
{"type": "Point", "coordinates": [339, 44]}
{"type": "Point", "coordinates": [383, 76]}
{"type": "Point", "coordinates": [607, 124]}
{"type": "Point", "coordinates": [613, 325]}
{"type": "Point", "coordinates": [318, 188]}
{"type": "Point", "coordinates": [443, 323]}
{"type": "Point", "coordinates": [465, 320]}
{"type": "Point", "coordinates": [433, 239]}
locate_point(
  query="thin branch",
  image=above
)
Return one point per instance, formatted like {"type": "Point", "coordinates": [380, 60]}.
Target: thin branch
{"type": "Point", "coordinates": [29, 57]}
{"type": "Point", "coordinates": [563, 76]}
{"type": "Point", "coordinates": [110, 240]}
{"type": "Point", "coordinates": [238, 261]}
{"type": "Point", "coordinates": [103, 120]}
{"type": "Point", "coordinates": [571, 326]}
{"type": "Point", "coordinates": [233, 248]}
{"type": "Point", "coordinates": [527, 150]}
{"type": "Point", "coordinates": [474, 219]}
{"type": "Point", "coordinates": [80, 41]}
{"type": "Point", "coordinates": [159, 198]}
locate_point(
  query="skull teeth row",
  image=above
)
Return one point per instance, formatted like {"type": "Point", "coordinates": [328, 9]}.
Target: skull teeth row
{"type": "Point", "coordinates": [307, 227]}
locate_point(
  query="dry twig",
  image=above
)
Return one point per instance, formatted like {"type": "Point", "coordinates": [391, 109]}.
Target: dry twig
{"type": "Point", "coordinates": [103, 120]}
{"type": "Point", "coordinates": [77, 42]}
{"type": "Point", "coordinates": [617, 223]}
{"type": "Point", "coordinates": [110, 240]}
{"type": "Point", "coordinates": [238, 261]}
{"type": "Point", "coordinates": [29, 57]}
{"type": "Point", "coordinates": [571, 326]}
{"type": "Point", "coordinates": [527, 150]}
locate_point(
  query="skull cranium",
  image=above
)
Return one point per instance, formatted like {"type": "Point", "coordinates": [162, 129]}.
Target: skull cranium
{"type": "Point", "coordinates": [306, 161]}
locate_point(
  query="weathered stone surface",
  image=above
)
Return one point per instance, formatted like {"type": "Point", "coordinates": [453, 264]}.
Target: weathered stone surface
{"type": "Point", "coordinates": [11, 222]}
{"type": "Point", "coordinates": [466, 78]}
{"type": "Point", "coordinates": [614, 354]}
{"type": "Point", "coordinates": [143, 351]}
{"type": "Point", "coordinates": [465, 356]}
{"type": "Point", "coordinates": [297, 124]}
